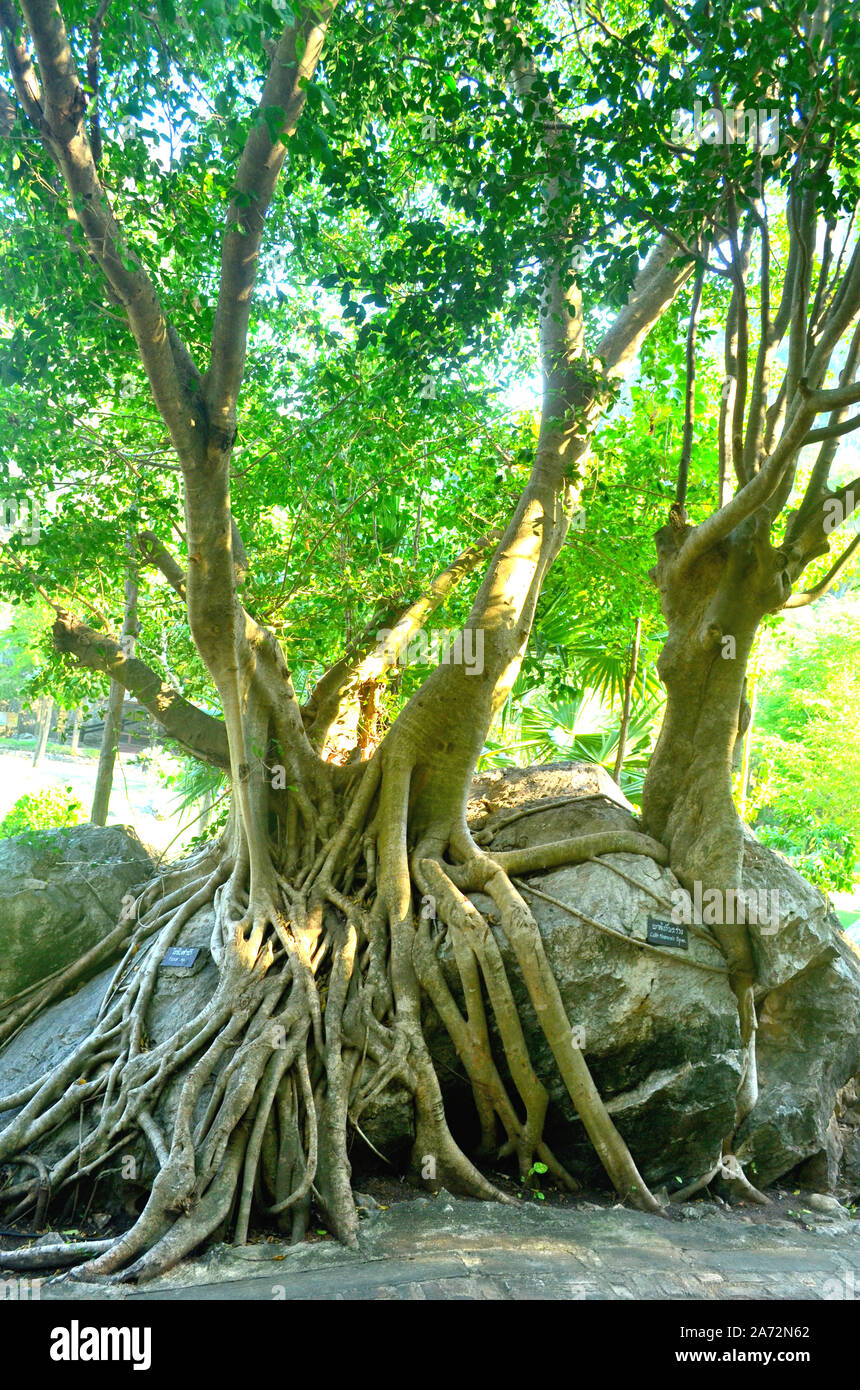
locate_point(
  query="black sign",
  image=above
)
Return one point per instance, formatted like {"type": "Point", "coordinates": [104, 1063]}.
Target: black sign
{"type": "Point", "coordinates": [181, 957]}
{"type": "Point", "coordinates": [662, 933]}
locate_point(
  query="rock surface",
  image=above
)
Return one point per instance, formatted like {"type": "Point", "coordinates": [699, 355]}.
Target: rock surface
{"type": "Point", "coordinates": [445, 1248]}
{"type": "Point", "coordinates": [62, 892]}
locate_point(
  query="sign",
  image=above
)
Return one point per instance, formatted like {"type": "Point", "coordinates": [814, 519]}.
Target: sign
{"type": "Point", "coordinates": [181, 957]}
{"type": "Point", "coordinates": [662, 933]}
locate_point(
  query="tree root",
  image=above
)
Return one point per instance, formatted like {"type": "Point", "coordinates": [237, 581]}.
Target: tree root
{"type": "Point", "coordinates": [248, 1106]}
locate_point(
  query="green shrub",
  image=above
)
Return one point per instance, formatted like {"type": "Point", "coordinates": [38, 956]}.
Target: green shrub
{"type": "Point", "coordinates": [825, 854]}
{"type": "Point", "coordinates": [52, 809]}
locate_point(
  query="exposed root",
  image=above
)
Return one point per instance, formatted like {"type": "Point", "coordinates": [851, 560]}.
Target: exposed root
{"type": "Point", "coordinates": [739, 1184]}
{"type": "Point", "coordinates": [57, 1256]}
{"type": "Point", "coordinates": [317, 1009]}
{"type": "Point", "coordinates": [729, 1169]}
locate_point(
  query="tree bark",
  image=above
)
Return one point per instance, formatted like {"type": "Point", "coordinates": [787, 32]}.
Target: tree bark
{"type": "Point", "coordinates": [46, 714]}
{"type": "Point", "coordinates": [113, 713]}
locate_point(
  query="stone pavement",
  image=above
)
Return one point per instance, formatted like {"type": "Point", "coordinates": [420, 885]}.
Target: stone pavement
{"type": "Point", "coordinates": [446, 1248]}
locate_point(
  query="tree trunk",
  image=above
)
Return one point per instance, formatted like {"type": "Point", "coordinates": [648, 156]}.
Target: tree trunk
{"type": "Point", "coordinates": [628, 700]}
{"type": "Point", "coordinates": [713, 604]}
{"type": "Point", "coordinates": [46, 714]}
{"type": "Point", "coordinates": [113, 713]}
{"type": "Point", "coordinates": [77, 720]}
{"type": "Point", "coordinates": [107, 755]}
{"type": "Point", "coordinates": [204, 814]}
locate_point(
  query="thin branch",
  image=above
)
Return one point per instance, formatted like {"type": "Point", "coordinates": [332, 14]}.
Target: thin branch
{"type": "Point", "coordinates": [281, 104]}
{"type": "Point", "coordinates": [835, 399]}
{"type": "Point", "coordinates": [93, 55]}
{"type": "Point", "coordinates": [753, 495]}
{"type": "Point", "coordinates": [690, 389]}
{"type": "Point", "coordinates": [841, 314]}
{"type": "Point", "coordinates": [20, 65]}
{"type": "Point", "coordinates": [154, 552]}
{"type": "Point", "coordinates": [8, 112]}
{"type": "Point", "coordinates": [832, 431]}
{"type": "Point", "coordinates": [826, 584]}
{"type": "Point", "coordinates": [738, 270]}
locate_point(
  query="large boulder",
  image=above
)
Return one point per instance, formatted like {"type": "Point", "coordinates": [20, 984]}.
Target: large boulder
{"type": "Point", "coordinates": [658, 1027]}
{"type": "Point", "coordinates": [660, 1032]}
{"type": "Point", "coordinates": [62, 892]}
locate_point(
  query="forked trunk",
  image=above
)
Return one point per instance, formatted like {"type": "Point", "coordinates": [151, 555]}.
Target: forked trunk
{"type": "Point", "coordinates": [713, 606]}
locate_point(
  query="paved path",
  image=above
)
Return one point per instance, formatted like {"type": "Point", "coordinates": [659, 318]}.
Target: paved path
{"type": "Point", "coordinates": [445, 1248]}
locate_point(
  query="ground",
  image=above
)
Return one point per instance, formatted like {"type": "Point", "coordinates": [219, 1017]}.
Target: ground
{"type": "Point", "coordinates": [447, 1248]}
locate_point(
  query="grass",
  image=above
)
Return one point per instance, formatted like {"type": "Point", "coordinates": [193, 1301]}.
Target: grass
{"type": "Point", "coordinates": [28, 745]}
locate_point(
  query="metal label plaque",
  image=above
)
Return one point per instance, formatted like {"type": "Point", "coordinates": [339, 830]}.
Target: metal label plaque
{"type": "Point", "coordinates": [661, 933]}
{"type": "Point", "coordinates": [181, 957]}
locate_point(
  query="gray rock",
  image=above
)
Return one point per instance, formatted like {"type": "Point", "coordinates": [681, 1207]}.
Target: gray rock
{"type": "Point", "coordinates": [659, 1033]}
{"type": "Point", "coordinates": [808, 1048]}
{"type": "Point", "coordinates": [820, 1201]}
{"type": "Point", "coordinates": [822, 1172]}
{"type": "Point", "coordinates": [661, 1038]}
{"type": "Point", "coordinates": [849, 1168]}
{"type": "Point", "coordinates": [62, 893]}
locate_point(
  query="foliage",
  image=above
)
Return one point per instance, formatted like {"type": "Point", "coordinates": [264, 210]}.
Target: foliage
{"type": "Point", "coordinates": [49, 809]}
{"type": "Point", "coordinates": [19, 635]}
{"type": "Point", "coordinates": [825, 854]}
{"type": "Point", "coordinates": [383, 424]}
{"type": "Point", "coordinates": [806, 746]}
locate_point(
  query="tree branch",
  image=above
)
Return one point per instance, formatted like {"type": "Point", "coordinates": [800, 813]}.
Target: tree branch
{"type": "Point", "coordinates": [282, 101]}
{"type": "Point", "coordinates": [93, 55]}
{"type": "Point", "coordinates": [8, 112]}
{"type": "Point", "coordinates": [201, 734]}
{"type": "Point", "coordinates": [834, 399]}
{"type": "Point", "coordinates": [690, 389]}
{"type": "Point", "coordinates": [826, 584]}
{"type": "Point", "coordinates": [154, 552]}
{"type": "Point", "coordinates": [750, 497]}
{"type": "Point", "coordinates": [60, 121]}
{"type": "Point", "coordinates": [23, 74]}
{"type": "Point", "coordinates": [367, 660]}
{"type": "Point", "coordinates": [661, 278]}
{"type": "Point", "coordinates": [739, 265]}
{"type": "Point", "coordinates": [832, 431]}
